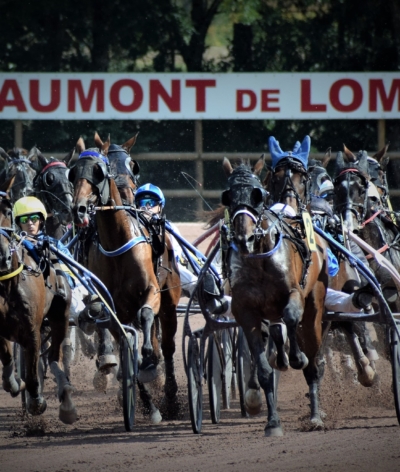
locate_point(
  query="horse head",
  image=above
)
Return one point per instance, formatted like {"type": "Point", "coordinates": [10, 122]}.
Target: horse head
{"type": "Point", "coordinates": [288, 182]}
{"type": "Point", "coordinates": [351, 187]}
{"type": "Point", "coordinates": [245, 199]}
{"type": "Point", "coordinates": [123, 167]}
{"type": "Point", "coordinates": [6, 224]}
{"type": "Point", "coordinates": [90, 177]}
{"type": "Point", "coordinates": [52, 186]}
{"type": "Point", "coordinates": [20, 165]}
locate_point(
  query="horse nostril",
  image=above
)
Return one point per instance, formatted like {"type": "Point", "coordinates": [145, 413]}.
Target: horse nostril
{"type": "Point", "coordinates": [81, 210]}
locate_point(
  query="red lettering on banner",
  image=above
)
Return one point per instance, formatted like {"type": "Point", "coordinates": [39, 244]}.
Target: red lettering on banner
{"type": "Point", "coordinates": [306, 105]}
{"type": "Point", "coordinates": [376, 87]}
{"type": "Point", "coordinates": [55, 89]}
{"type": "Point", "coordinates": [172, 101]}
{"type": "Point", "coordinates": [335, 91]}
{"type": "Point", "coordinates": [266, 99]}
{"type": "Point", "coordinates": [75, 87]}
{"type": "Point", "coordinates": [240, 94]}
{"type": "Point", "coordinates": [200, 85]}
{"type": "Point", "coordinates": [137, 95]}
{"type": "Point", "coordinates": [16, 100]}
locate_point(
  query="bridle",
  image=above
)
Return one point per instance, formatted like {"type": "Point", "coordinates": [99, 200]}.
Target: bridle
{"type": "Point", "coordinates": [349, 205]}
{"type": "Point", "coordinates": [288, 188]}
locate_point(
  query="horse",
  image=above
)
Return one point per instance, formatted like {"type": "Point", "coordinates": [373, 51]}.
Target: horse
{"type": "Point", "coordinates": [141, 285]}
{"type": "Point", "coordinates": [30, 291]}
{"type": "Point", "coordinates": [20, 165]}
{"type": "Point", "coordinates": [274, 276]}
{"type": "Point", "coordinates": [347, 279]}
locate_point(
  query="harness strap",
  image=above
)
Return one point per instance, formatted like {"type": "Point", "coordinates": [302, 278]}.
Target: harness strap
{"type": "Point", "coordinates": [382, 249]}
{"type": "Point", "coordinates": [12, 274]}
{"type": "Point", "coordinates": [269, 253]}
{"type": "Point", "coordinates": [129, 245]}
{"type": "Point", "coordinates": [52, 164]}
{"type": "Point", "coordinates": [371, 218]}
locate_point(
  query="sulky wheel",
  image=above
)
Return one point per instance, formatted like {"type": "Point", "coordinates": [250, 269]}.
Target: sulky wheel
{"type": "Point", "coordinates": [215, 375]}
{"type": "Point", "coordinates": [228, 367]}
{"type": "Point", "coordinates": [243, 368]}
{"type": "Point", "coordinates": [195, 391]}
{"type": "Point", "coordinates": [395, 358]}
{"type": "Point", "coordinates": [129, 367]}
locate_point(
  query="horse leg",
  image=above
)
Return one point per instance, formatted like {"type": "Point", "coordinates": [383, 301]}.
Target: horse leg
{"type": "Point", "coordinates": [36, 404]}
{"type": "Point", "coordinates": [67, 353]}
{"type": "Point", "coordinates": [278, 358]}
{"type": "Point", "coordinates": [169, 325]}
{"type": "Point", "coordinates": [292, 314]}
{"type": "Point", "coordinates": [59, 320]}
{"type": "Point", "coordinates": [148, 367]}
{"type": "Point", "coordinates": [265, 379]}
{"type": "Point", "coordinates": [148, 405]}
{"type": "Point", "coordinates": [106, 358]}
{"type": "Point", "coordinates": [11, 384]}
{"type": "Point", "coordinates": [365, 373]}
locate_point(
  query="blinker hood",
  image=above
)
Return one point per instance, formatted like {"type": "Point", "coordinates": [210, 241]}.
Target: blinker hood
{"type": "Point", "coordinates": [95, 171]}
{"type": "Point", "coordinates": [244, 190]}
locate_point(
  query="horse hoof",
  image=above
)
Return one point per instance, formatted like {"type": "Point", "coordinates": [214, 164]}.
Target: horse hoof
{"type": "Point", "coordinates": [106, 362]}
{"type": "Point", "coordinates": [366, 373]}
{"type": "Point", "coordinates": [156, 417]}
{"type": "Point", "coordinates": [148, 375]}
{"type": "Point", "coordinates": [271, 432]}
{"type": "Point", "coordinates": [100, 381]}
{"type": "Point", "coordinates": [317, 424]}
{"type": "Point", "coordinates": [253, 401]}
{"type": "Point", "coordinates": [36, 406]}
{"type": "Point", "coordinates": [273, 362]}
{"type": "Point", "coordinates": [68, 416]}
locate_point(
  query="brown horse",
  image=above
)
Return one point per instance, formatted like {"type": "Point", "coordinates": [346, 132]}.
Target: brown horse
{"type": "Point", "coordinates": [142, 286]}
{"type": "Point", "coordinates": [274, 276]}
{"type": "Point", "coordinates": [30, 290]}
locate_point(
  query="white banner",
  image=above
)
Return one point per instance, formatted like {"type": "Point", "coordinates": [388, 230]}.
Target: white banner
{"type": "Point", "coordinates": [256, 96]}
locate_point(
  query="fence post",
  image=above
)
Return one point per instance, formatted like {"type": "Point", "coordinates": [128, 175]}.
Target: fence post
{"type": "Point", "coordinates": [18, 138]}
{"type": "Point", "coordinates": [198, 147]}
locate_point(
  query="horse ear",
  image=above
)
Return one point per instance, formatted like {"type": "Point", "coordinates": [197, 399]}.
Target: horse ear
{"type": "Point", "coordinates": [380, 154]}
{"type": "Point", "coordinates": [80, 145]}
{"type": "Point", "coordinates": [6, 186]}
{"type": "Point", "coordinates": [327, 158]}
{"type": "Point", "coordinates": [105, 146]}
{"type": "Point", "coordinates": [348, 155]}
{"type": "Point", "coordinates": [339, 162]}
{"type": "Point", "coordinates": [363, 163]}
{"type": "Point", "coordinates": [34, 159]}
{"type": "Point", "coordinates": [42, 159]}
{"type": "Point", "coordinates": [4, 154]}
{"type": "Point", "coordinates": [97, 140]}
{"type": "Point", "coordinates": [68, 157]}
{"type": "Point", "coordinates": [130, 143]}
{"type": "Point", "coordinates": [226, 165]}
{"type": "Point", "coordinates": [259, 165]}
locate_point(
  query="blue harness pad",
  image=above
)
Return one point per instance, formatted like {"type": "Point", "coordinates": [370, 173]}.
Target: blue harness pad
{"type": "Point", "coordinates": [333, 264]}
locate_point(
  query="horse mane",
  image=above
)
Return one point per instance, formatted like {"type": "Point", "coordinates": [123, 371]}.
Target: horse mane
{"type": "Point", "coordinates": [211, 217]}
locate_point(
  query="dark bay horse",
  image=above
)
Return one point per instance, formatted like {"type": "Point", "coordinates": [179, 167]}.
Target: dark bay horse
{"type": "Point", "coordinates": [31, 290]}
{"type": "Point", "coordinates": [359, 203]}
{"type": "Point", "coordinates": [20, 165]}
{"type": "Point", "coordinates": [272, 278]}
{"type": "Point", "coordinates": [140, 288]}
{"type": "Point", "coordinates": [347, 279]}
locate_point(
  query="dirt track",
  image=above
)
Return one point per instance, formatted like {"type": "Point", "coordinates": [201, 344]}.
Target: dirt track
{"type": "Point", "coordinates": [362, 433]}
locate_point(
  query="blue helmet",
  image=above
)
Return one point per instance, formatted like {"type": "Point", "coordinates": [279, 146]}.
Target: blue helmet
{"type": "Point", "coordinates": [149, 191]}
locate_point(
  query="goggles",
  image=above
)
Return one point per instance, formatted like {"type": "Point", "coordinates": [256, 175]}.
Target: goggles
{"type": "Point", "coordinates": [148, 202]}
{"type": "Point", "coordinates": [34, 218]}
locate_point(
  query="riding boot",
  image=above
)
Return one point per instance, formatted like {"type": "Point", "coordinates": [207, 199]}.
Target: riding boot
{"type": "Point", "coordinates": [215, 302]}
{"type": "Point", "coordinates": [362, 298]}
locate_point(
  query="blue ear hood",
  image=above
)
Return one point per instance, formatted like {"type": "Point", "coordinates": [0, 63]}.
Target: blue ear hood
{"type": "Point", "coordinates": [300, 151]}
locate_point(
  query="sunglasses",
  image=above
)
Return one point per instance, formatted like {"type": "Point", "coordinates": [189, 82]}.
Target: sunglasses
{"type": "Point", "coordinates": [24, 219]}
{"type": "Point", "coordinates": [144, 202]}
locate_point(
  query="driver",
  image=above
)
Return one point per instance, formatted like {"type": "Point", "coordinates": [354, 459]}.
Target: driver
{"type": "Point", "coordinates": [150, 199]}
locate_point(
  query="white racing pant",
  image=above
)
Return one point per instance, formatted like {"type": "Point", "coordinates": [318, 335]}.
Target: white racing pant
{"type": "Point", "coordinates": [340, 301]}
